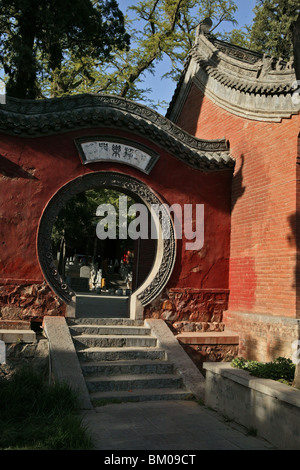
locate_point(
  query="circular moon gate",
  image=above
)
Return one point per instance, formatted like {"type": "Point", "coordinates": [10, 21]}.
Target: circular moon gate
{"type": "Point", "coordinates": [166, 245]}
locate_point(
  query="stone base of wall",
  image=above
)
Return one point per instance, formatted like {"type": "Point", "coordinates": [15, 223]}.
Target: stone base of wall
{"type": "Point", "coordinates": [199, 353]}
{"type": "Point", "coordinates": [15, 325]}
{"type": "Point", "coordinates": [263, 337]}
{"type": "Point", "coordinates": [189, 310]}
{"type": "Point", "coordinates": [211, 353]}
{"type": "Point", "coordinates": [189, 305]}
{"type": "Point", "coordinates": [35, 355]}
{"type": "Point", "coordinates": [190, 326]}
{"type": "Point", "coordinates": [25, 302]}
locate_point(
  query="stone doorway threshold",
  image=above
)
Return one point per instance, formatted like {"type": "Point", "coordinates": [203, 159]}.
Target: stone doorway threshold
{"type": "Point", "coordinates": [101, 306]}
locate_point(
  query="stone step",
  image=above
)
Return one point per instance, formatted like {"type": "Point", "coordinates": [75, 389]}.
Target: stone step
{"type": "Point", "coordinates": [124, 353]}
{"type": "Point", "coordinates": [104, 321]}
{"type": "Point", "coordinates": [214, 337]}
{"type": "Point", "coordinates": [120, 360]}
{"type": "Point", "coordinates": [99, 398]}
{"type": "Point", "coordinates": [111, 368]}
{"type": "Point", "coordinates": [17, 336]}
{"type": "Point", "coordinates": [109, 341]}
{"type": "Point", "coordinates": [92, 329]}
{"type": "Point", "coordinates": [133, 382]}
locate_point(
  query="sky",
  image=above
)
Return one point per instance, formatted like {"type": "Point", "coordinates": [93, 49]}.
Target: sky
{"type": "Point", "coordinates": [163, 89]}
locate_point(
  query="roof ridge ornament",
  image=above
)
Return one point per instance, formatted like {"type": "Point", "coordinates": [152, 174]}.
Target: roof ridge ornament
{"type": "Point", "coordinates": [203, 27]}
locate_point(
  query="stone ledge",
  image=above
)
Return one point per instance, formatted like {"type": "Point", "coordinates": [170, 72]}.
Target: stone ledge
{"type": "Point", "coordinates": [270, 387]}
{"type": "Point", "coordinates": [65, 367]}
{"type": "Point", "coordinates": [191, 376]}
{"type": "Point", "coordinates": [267, 406]}
{"type": "Point", "coordinates": [15, 336]}
{"type": "Point", "coordinates": [220, 337]}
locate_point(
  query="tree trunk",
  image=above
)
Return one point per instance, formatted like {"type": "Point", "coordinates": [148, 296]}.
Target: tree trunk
{"type": "Point", "coordinates": [23, 83]}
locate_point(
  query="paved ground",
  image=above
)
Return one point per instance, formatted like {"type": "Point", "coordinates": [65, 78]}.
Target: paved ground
{"type": "Point", "coordinates": [166, 425]}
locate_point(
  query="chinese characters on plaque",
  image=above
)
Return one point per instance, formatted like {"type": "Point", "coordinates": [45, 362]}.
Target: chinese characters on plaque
{"type": "Point", "coordinates": [97, 151]}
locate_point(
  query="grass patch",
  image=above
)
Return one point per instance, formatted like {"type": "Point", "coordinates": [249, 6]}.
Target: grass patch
{"type": "Point", "coordinates": [281, 369]}
{"type": "Point", "coordinates": [37, 416]}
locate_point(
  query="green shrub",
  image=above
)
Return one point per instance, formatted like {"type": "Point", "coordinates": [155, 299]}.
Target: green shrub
{"type": "Point", "coordinates": [281, 369]}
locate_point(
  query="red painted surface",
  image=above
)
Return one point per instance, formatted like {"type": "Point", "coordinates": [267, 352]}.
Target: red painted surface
{"type": "Point", "coordinates": [263, 251]}
{"type": "Point", "coordinates": [33, 169]}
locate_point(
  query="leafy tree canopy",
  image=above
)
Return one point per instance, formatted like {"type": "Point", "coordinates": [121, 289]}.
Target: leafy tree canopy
{"type": "Point", "coordinates": [159, 29]}
{"type": "Point", "coordinates": [270, 32]}
{"type": "Point", "coordinates": [77, 220]}
{"type": "Point", "coordinates": [52, 48]}
{"type": "Point", "coordinates": [55, 48]}
{"type": "Point", "coordinates": [37, 37]}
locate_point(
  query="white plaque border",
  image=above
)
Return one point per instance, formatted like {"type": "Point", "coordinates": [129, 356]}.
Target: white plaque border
{"type": "Point", "coordinates": [115, 140]}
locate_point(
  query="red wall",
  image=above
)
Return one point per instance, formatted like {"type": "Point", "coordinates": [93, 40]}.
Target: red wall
{"type": "Point", "coordinates": [263, 231]}
{"type": "Point", "coordinates": [33, 169]}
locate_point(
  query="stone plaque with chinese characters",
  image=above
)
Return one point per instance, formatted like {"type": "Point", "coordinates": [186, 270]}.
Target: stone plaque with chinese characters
{"type": "Point", "coordinates": [118, 151]}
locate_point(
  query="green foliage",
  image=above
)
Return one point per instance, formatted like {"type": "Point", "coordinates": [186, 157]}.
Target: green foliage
{"type": "Point", "coordinates": [239, 37]}
{"type": "Point", "coordinates": [74, 230]}
{"type": "Point", "coordinates": [77, 219]}
{"type": "Point", "coordinates": [37, 40]}
{"type": "Point", "coordinates": [281, 369]}
{"type": "Point", "coordinates": [58, 48]}
{"type": "Point", "coordinates": [39, 416]}
{"type": "Point", "coordinates": [270, 32]}
{"type": "Point", "coordinates": [161, 29]}
{"type": "Point", "coordinates": [53, 48]}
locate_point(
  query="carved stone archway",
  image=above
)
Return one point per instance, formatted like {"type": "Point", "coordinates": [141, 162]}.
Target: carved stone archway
{"type": "Point", "coordinates": [166, 245]}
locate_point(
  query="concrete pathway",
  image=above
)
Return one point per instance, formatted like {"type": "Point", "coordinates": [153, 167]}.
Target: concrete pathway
{"type": "Point", "coordinates": [166, 425]}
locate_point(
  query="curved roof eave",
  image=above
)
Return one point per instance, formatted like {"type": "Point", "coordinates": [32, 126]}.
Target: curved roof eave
{"type": "Point", "coordinates": [36, 118]}
{"type": "Point", "coordinates": [241, 81]}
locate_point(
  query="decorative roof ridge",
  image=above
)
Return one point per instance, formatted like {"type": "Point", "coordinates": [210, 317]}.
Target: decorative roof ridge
{"type": "Point", "coordinates": [238, 52]}
{"type": "Point", "coordinates": [33, 118]}
{"type": "Point", "coordinates": [243, 82]}
{"type": "Point", "coordinates": [243, 54]}
{"type": "Point", "coordinates": [242, 69]}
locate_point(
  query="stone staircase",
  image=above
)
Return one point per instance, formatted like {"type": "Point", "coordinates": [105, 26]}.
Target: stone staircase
{"type": "Point", "coordinates": [121, 361]}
